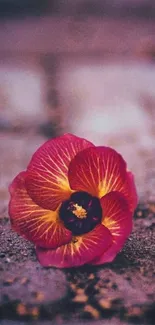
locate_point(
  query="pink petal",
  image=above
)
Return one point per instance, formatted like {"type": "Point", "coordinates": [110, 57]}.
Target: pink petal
{"type": "Point", "coordinates": [118, 219]}
{"type": "Point", "coordinates": [47, 174]}
{"type": "Point", "coordinates": [33, 222]}
{"type": "Point", "coordinates": [130, 192]}
{"type": "Point", "coordinates": [79, 251]}
{"type": "Point", "coordinates": [98, 171]}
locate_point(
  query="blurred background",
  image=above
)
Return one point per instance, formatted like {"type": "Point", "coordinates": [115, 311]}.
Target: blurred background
{"type": "Point", "coordinates": [82, 66]}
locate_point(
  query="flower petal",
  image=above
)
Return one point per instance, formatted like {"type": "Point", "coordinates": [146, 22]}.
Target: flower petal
{"type": "Point", "coordinates": [79, 251]}
{"type": "Point", "coordinates": [118, 219]}
{"type": "Point", "coordinates": [47, 174]}
{"type": "Point", "coordinates": [130, 192]}
{"type": "Point", "coordinates": [98, 171]}
{"type": "Point", "coordinates": [31, 221]}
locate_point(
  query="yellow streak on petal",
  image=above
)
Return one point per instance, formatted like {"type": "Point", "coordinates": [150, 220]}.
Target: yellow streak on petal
{"type": "Point", "coordinates": [58, 177]}
{"type": "Point", "coordinates": [109, 222]}
{"type": "Point", "coordinates": [50, 219]}
{"type": "Point", "coordinates": [76, 243]}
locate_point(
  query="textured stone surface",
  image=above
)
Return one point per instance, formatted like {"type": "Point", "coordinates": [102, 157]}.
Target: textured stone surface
{"type": "Point", "coordinates": [123, 289]}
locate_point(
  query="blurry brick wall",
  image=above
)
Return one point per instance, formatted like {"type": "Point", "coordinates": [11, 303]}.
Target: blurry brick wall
{"type": "Point", "coordinates": [104, 7]}
{"type": "Point", "coordinates": [144, 8]}
{"type": "Point", "coordinates": [104, 99]}
{"type": "Point", "coordinates": [22, 91]}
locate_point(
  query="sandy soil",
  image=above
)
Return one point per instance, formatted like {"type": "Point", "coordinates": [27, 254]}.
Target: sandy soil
{"type": "Point", "coordinates": [118, 293]}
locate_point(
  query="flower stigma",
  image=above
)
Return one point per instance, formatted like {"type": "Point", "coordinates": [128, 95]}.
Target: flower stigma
{"type": "Point", "coordinates": [79, 211]}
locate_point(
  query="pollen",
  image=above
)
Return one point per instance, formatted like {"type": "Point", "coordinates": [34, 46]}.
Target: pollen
{"type": "Point", "coordinates": [79, 211]}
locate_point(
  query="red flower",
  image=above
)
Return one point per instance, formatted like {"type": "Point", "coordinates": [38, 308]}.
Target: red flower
{"type": "Point", "coordinates": [74, 202]}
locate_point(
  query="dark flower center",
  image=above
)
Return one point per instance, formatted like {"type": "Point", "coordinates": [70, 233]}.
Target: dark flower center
{"type": "Point", "coordinates": [81, 213]}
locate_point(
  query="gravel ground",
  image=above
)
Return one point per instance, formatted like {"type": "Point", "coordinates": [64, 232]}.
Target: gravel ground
{"type": "Point", "coordinates": [118, 293]}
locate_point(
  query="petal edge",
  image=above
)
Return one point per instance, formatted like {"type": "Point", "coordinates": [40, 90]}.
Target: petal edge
{"type": "Point", "coordinates": [47, 173]}
{"type": "Point", "coordinates": [118, 219]}
{"type": "Point", "coordinates": [38, 225]}
{"type": "Point", "coordinates": [79, 252]}
{"type": "Point", "coordinates": [98, 171]}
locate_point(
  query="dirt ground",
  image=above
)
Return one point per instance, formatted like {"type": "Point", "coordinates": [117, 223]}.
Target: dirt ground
{"type": "Point", "coordinates": [122, 292]}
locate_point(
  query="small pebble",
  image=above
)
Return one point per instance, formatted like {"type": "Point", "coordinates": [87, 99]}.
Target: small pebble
{"type": "Point", "coordinates": [134, 311]}
{"type": "Point", "coordinates": [91, 310]}
{"type": "Point", "coordinates": [39, 296]}
{"type": "Point", "coordinates": [21, 309]}
{"type": "Point", "coordinates": [91, 276]}
{"type": "Point", "coordinates": [35, 312]}
{"type": "Point", "coordinates": [8, 282]}
{"type": "Point", "coordinates": [24, 280]}
{"type": "Point", "coordinates": [80, 298]}
{"type": "Point", "coordinates": [8, 260]}
{"type": "Point", "coordinates": [105, 303]}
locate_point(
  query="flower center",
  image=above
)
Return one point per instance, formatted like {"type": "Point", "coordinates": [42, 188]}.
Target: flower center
{"type": "Point", "coordinates": [81, 213]}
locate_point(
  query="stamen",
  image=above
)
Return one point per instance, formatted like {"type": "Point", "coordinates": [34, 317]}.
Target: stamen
{"type": "Point", "coordinates": [79, 211]}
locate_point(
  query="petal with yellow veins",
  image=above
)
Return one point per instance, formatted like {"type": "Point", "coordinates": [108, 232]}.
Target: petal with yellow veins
{"type": "Point", "coordinates": [47, 173]}
{"type": "Point", "coordinates": [36, 224]}
{"type": "Point", "coordinates": [118, 219]}
{"type": "Point", "coordinates": [98, 171]}
{"type": "Point", "coordinates": [129, 191]}
{"type": "Point", "coordinates": [79, 251]}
